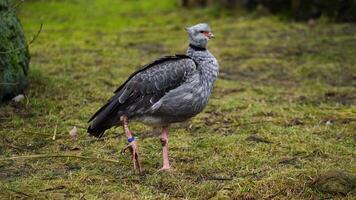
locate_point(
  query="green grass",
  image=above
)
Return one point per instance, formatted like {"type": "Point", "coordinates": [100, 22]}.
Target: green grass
{"type": "Point", "coordinates": [291, 83]}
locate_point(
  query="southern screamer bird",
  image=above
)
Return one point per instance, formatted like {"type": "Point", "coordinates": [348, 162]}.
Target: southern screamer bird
{"type": "Point", "coordinates": [170, 89]}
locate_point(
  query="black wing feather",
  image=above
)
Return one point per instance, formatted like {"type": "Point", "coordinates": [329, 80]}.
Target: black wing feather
{"type": "Point", "coordinates": [143, 88]}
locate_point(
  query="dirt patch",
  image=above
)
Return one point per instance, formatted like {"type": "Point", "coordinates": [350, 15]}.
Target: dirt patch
{"type": "Point", "coordinates": [340, 97]}
{"type": "Point", "coordinates": [266, 114]}
{"type": "Point", "coordinates": [258, 139]}
{"type": "Point", "coordinates": [344, 98]}
{"type": "Point", "coordinates": [317, 153]}
{"type": "Point", "coordinates": [335, 182]}
{"type": "Point", "coordinates": [295, 122]}
{"type": "Point", "coordinates": [60, 187]}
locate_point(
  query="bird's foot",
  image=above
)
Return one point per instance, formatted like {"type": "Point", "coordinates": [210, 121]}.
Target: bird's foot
{"type": "Point", "coordinates": [165, 168]}
{"type": "Point", "coordinates": [134, 155]}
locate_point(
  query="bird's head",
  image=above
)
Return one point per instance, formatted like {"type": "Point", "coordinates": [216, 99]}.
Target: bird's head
{"type": "Point", "coordinates": [199, 35]}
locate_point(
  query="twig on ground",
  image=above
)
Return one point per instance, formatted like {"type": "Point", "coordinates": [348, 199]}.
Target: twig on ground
{"type": "Point", "coordinates": [55, 132]}
{"type": "Point", "coordinates": [27, 45]}
{"type": "Point", "coordinates": [7, 143]}
{"type": "Point", "coordinates": [59, 156]}
{"type": "Point", "coordinates": [18, 192]}
{"type": "Point", "coordinates": [60, 187]}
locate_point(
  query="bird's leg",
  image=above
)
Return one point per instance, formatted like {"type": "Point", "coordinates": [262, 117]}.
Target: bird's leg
{"type": "Point", "coordinates": [132, 144]}
{"type": "Point", "coordinates": [164, 142]}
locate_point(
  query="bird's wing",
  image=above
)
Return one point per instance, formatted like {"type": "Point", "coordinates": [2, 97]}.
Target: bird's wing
{"type": "Point", "coordinates": [147, 85]}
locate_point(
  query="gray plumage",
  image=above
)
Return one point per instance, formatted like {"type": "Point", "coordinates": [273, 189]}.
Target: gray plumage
{"type": "Point", "coordinates": [168, 90]}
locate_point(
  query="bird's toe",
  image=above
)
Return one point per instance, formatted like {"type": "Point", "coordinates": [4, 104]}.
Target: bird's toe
{"type": "Point", "coordinates": [165, 168]}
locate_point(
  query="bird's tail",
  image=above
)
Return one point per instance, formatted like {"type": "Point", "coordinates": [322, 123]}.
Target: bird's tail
{"type": "Point", "coordinates": [103, 119]}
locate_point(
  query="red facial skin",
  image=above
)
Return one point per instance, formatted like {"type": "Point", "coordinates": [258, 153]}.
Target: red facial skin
{"type": "Point", "coordinates": [208, 34]}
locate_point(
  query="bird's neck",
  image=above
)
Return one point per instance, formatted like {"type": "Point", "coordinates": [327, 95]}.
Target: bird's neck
{"type": "Point", "coordinates": [207, 65]}
{"type": "Point", "coordinates": [198, 53]}
{"type": "Point", "coordinates": [197, 48]}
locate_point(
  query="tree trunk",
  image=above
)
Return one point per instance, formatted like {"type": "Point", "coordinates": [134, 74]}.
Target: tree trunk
{"type": "Point", "coordinates": [14, 55]}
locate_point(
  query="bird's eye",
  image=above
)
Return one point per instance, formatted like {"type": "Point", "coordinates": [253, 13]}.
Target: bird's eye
{"type": "Point", "coordinates": [201, 31]}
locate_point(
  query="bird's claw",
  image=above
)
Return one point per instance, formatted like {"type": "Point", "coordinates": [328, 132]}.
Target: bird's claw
{"type": "Point", "coordinates": [122, 152]}
{"type": "Point", "coordinates": [134, 155]}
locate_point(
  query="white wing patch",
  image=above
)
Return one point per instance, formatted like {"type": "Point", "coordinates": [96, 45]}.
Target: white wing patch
{"type": "Point", "coordinates": [188, 96]}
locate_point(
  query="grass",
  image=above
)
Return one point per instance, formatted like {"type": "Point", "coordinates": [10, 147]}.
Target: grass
{"type": "Point", "coordinates": [292, 84]}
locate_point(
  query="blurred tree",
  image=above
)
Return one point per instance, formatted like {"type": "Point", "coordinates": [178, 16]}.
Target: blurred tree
{"type": "Point", "coordinates": [14, 55]}
{"type": "Point", "coordinates": [340, 10]}
{"type": "Point", "coordinates": [203, 3]}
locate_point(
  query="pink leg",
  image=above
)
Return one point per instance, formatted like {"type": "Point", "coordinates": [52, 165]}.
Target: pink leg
{"type": "Point", "coordinates": [132, 145]}
{"type": "Point", "coordinates": [164, 141]}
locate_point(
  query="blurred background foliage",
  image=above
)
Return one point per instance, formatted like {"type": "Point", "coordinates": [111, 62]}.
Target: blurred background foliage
{"type": "Point", "coordinates": [338, 10]}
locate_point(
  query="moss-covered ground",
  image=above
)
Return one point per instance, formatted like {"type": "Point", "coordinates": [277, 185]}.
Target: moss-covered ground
{"type": "Point", "coordinates": [292, 84]}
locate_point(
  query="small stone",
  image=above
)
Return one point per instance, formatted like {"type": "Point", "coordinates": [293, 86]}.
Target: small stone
{"type": "Point", "coordinates": [311, 22]}
{"type": "Point", "coordinates": [74, 132]}
{"type": "Point", "coordinates": [18, 98]}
